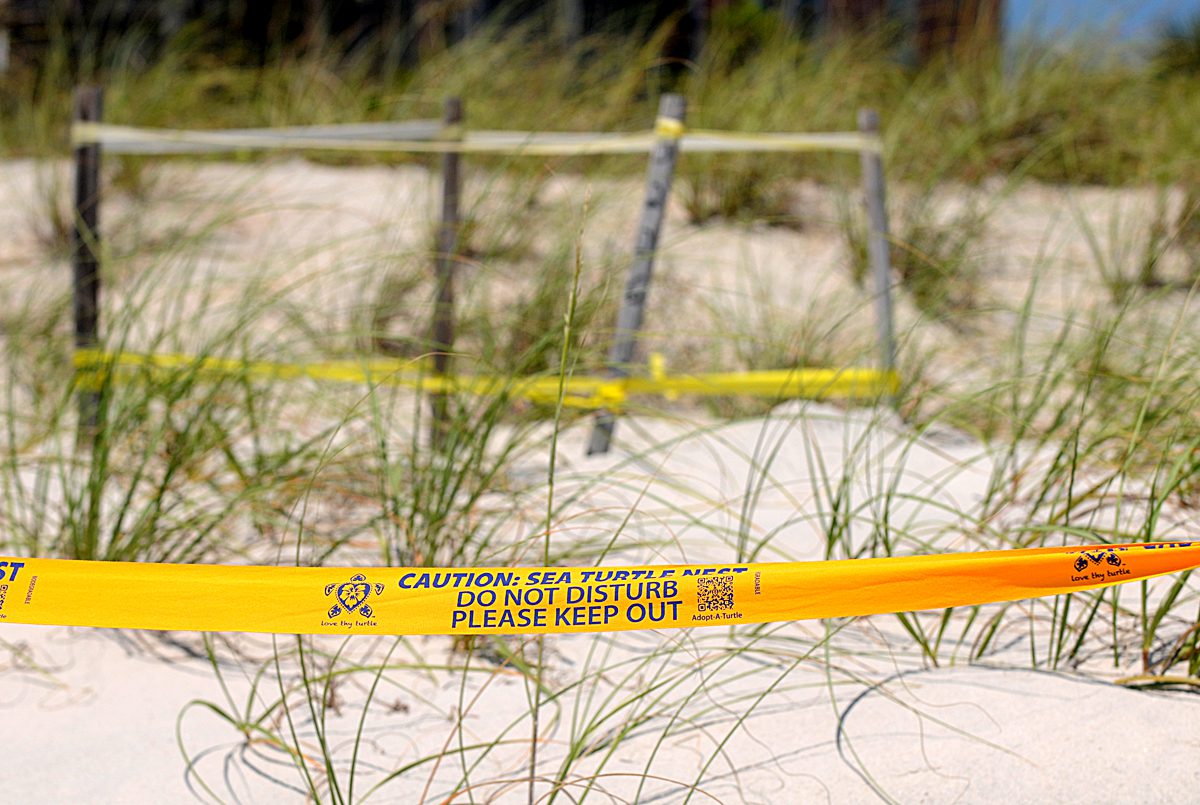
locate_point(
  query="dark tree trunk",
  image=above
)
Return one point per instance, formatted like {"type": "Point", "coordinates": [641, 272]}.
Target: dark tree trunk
{"type": "Point", "coordinates": [960, 28]}
{"type": "Point", "coordinates": [854, 17]}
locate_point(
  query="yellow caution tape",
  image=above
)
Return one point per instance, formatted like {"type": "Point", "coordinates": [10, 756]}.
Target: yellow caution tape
{"type": "Point", "coordinates": [589, 393]}
{"type": "Point", "coordinates": [135, 140]}
{"type": "Point", "coordinates": [480, 600]}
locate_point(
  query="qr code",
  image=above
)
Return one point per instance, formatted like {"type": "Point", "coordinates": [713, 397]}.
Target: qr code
{"type": "Point", "coordinates": [714, 593]}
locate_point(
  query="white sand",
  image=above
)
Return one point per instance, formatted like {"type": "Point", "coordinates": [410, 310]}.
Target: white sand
{"type": "Point", "coordinates": [852, 714]}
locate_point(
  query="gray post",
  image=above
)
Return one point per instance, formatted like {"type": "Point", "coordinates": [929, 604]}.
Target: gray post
{"type": "Point", "coordinates": [633, 304]}
{"type": "Point", "coordinates": [442, 330]}
{"type": "Point", "coordinates": [85, 244]}
{"type": "Point", "coordinates": [570, 21]}
{"type": "Point", "coordinates": [877, 241]}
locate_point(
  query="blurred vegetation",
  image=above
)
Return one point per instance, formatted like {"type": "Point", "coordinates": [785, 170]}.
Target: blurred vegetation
{"type": "Point", "coordinates": [1177, 51]}
{"type": "Point", "coordinates": [1060, 114]}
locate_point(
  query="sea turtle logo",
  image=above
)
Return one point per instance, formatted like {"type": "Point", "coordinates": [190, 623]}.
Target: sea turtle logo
{"type": "Point", "coordinates": [352, 596]}
{"type": "Point", "coordinates": [1107, 556]}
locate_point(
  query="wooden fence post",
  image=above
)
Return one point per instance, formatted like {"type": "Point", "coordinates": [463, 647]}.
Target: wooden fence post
{"type": "Point", "coordinates": [877, 241]}
{"type": "Point", "coordinates": [85, 246]}
{"type": "Point", "coordinates": [661, 171]}
{"type": "Point", "coordinates": [442, 330]}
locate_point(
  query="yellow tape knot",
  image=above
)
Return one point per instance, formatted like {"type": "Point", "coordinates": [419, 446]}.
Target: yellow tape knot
{"type": "Point", "coordinates": [668, 128]}
{"type": "Point", "coordinates": [657, 366]}
{"type": "Point", "coordinates": [611, 395]}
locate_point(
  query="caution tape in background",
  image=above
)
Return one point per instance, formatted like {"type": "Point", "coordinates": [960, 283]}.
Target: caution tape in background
{"type": "Point", "coordinates": [147, 141]}
{"type": "Point", "coordinates": [580, 392]}
{"type": "Point", "coordinates": [416, 601]}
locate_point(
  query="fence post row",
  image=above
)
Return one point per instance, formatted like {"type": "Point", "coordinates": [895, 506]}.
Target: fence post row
{"type": "Point", "coordinates": [877, 241]}
{"type": "Point", "coordinates": [633, 304]}
{"type": "Point", "coordinates": [442, 330]}
{"type": "Point", "coordinates": [85, 247]}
